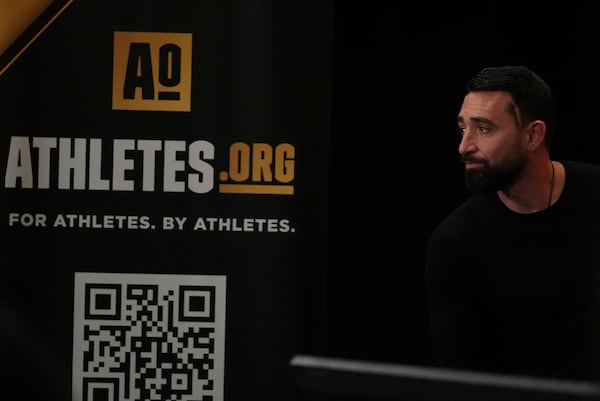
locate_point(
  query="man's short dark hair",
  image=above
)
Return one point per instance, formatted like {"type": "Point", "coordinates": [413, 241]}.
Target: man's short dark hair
{"type": "Point", "coordinates": [532, 96]}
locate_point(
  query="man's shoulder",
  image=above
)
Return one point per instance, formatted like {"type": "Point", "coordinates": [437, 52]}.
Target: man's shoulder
{"type": "Point", "coordinates": [582, 173]}
{"type": "Point", "coordinates": [471, 211]}
{"type": "Point", "coordinates": [581, 167]}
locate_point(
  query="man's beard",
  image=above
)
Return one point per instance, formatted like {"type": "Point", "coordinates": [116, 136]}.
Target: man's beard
{"type": "Point", "coordinates": [488, 179]}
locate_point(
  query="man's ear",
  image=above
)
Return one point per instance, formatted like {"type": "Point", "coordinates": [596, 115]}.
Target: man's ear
{"type": "Point", "coordinates": [536, 133]}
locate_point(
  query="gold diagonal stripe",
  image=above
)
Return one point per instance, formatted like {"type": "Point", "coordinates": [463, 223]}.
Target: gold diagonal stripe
{"type": "Point", "coordinates": [34, 38]}
{"type": "Point", "coordinates": [16, 16]}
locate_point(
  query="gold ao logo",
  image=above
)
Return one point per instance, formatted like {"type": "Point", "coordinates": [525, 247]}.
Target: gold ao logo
{"type": "Point", "coordinates": [152, 71]}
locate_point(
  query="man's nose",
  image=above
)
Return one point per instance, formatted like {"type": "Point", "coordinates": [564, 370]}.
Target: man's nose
{"type": "Point", "coordinates": [467, 143]}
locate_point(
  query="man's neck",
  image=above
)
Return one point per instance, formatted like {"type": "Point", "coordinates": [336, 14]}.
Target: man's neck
{"type": "Point", "coordinates": [535, 190]}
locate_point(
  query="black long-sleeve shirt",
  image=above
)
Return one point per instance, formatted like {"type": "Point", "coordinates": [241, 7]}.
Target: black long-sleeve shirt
{"type": "Point", "coordinates": [520, 293]}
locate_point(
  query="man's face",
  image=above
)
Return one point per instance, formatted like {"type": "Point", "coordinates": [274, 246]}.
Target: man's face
{"type": "Point", "coordinates": [491, 144]}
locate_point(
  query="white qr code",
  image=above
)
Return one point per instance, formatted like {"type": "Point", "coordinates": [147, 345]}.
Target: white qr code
{"type": "Point", "coordinates": [146, 337]}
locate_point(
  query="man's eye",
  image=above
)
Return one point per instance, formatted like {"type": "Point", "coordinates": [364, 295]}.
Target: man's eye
{"type": "Point", "coordinates": [461, 131]}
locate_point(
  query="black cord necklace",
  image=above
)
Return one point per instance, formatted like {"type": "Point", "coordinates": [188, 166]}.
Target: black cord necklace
{"type": "Point", "coordinates": [551, 185]}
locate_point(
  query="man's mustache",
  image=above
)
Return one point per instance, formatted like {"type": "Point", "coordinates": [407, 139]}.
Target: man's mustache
{"type": "Point", "coordinates": [467, 158]}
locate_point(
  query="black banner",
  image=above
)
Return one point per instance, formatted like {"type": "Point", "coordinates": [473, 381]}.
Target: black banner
{"type": "Point", "coordinates": [164, 197]}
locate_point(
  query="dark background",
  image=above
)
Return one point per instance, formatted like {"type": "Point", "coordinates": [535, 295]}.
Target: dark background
{"type": "Point", "coordinates": [398, 82]}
